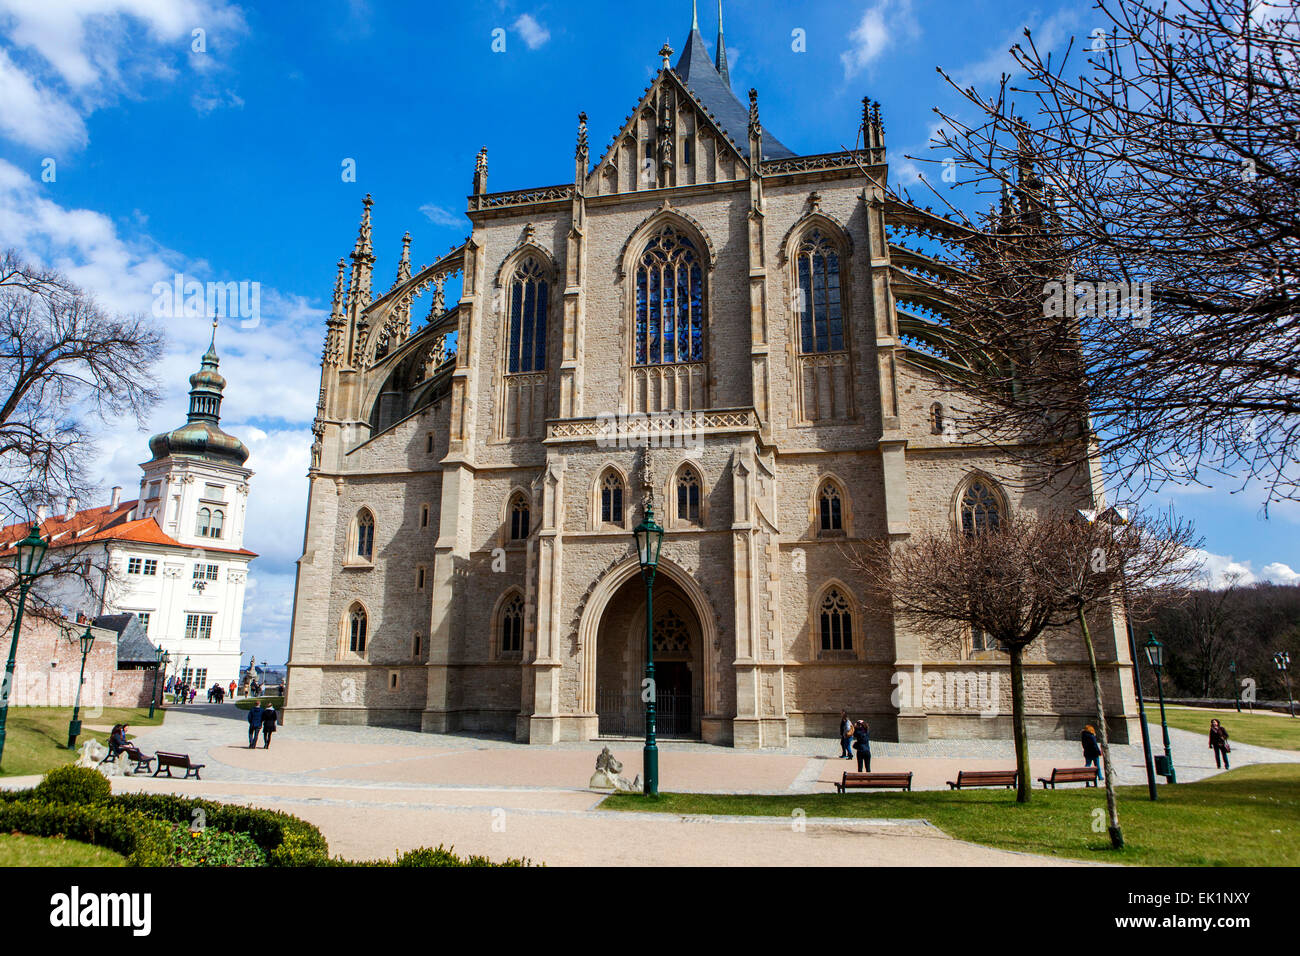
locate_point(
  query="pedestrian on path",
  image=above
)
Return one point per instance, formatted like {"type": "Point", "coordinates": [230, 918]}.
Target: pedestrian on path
{"type": "Point", "coordinates": [1091, 751]}
{"type": "Point", "coordinates": [846, 736]}
{"type": "Point", "coordinates": [232, 690]}
{"type": "Point", "coordinates": [1219, 743]}
{"type": "Point", "coordinates": [862, 743]}
{"type": "Point", "coordinates": [254, 724]}
{"type": "Point", "coordinates": [269, 718]}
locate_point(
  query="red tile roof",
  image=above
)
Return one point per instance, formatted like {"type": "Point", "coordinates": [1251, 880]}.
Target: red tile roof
{"type": "Point", "coordinates": [100, 524]}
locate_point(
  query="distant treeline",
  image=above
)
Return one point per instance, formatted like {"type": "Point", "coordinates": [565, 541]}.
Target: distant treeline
{"type": "Point", "coordinates": [1205, 631]}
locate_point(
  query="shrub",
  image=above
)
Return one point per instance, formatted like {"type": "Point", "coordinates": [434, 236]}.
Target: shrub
{"type": "Point", "coordinates": [79, 786]}
{"type": "Point", "coordinates": [433, 856]}
{"type": "Point", "coordinates": [209, 847]}
{"type": "Point", "coordinates": [135, 836]}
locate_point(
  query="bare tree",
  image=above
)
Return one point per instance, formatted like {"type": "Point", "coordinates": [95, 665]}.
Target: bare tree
{"type": "Point", "coordinates": [1156, 177]}
{"type": "Point", "coordinates": [1100, 557]}
{"type": "Point", "coordinates": [65, 364]}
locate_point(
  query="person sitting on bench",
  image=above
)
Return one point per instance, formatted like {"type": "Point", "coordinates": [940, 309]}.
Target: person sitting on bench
{"type": "Point", "coordinates": [116, 741]}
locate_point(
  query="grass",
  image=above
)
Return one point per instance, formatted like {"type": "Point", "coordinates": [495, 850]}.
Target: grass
{"type": "Point", "coordinates": [17, 849]}
{"type": "Point", "coordinates": [247, 702]}
{"type": "Point", "coordinates": [1261, 728]}
{"type": "Point", "coordinates": [36, 738]}
{"type": "Point", "coordinates": [1246, 817]}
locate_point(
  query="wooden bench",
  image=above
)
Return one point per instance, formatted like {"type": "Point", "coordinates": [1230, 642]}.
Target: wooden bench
{"type": "Point", "coordinates": [135, 755]}
{"type": "Point", "coordinates": [1084, 775]}
{"type": "Point", "coordinates": [984, 778]}
{"type": "Point", "coordinates": [181, 762]}
{"type": "Point", "coordinates": [871, 781]}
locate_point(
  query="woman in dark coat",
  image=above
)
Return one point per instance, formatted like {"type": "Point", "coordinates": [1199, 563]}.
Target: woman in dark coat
{"type": "Point", "coordinates": [862, 743]}
{"type": "Point", "coordinates": [269, 719]}
{"type": "Point", "coordinates": [1219, 743]}
{"type": "Point", "coordinates": [1091, 751]}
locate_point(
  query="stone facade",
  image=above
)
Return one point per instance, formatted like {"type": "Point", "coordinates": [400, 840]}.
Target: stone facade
{"type": "Point", "coordinates": [421, 602]}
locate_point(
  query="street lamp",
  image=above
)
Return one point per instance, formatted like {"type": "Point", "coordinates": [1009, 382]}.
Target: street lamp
{"type": "Point", "coordinates": [1156, 656]}
{"type": "Point", "coordinates": [649, 538]}
{"type": "Point", "coordinates": [74, 725]}
{"type": "Point", "coordinates": [1283, 661]}
{"type": "Point", "coordinates": [1236, 688]}
{"type": "Point", "coordinates": [29, 553]}
{"type": "Point", "coordinates": [163, 660]}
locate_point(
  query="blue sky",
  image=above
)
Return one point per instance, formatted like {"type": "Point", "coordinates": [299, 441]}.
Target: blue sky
{"type": "Point", "coordinates": [225, 164]}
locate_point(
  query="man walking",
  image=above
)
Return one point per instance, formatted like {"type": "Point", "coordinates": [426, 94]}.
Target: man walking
{"type": "Point", "coordinates": [846, 736]}
{"type": "Point", "coordinates": [269, 719]}
{"type": "Point", "coordinates": [254, 724]}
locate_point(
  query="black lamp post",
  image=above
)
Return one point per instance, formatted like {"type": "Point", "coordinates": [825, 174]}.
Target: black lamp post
{"type": "Point", "coordinates": [29, 553]}
{"type": "Point", "coordinates": [1236, 688]}
{"type": "Point", "coordinates": [1283, 661]}
{"type": "Point", "coordinates": [649, 539]}
{"type": "Point", "coordinates": [1156, 655]}
{"type": "Point", "coordinates": [74, 725]}
{"type": "Point", "coordinates": [163, 659]}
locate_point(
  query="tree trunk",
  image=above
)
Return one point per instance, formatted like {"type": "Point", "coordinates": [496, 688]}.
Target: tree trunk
{"type": "Point", "coordinates": [1112, 810]}
{"type": "Point", "coordinates": [1018, 722]}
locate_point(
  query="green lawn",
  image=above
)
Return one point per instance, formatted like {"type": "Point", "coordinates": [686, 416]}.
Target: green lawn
{"type": "Point", "coordinates": [36, 738]}
{"type": "Point", "coordinates": [1246, 817]}
{"type": "Point", "coordinates": [247, 702]}
{"type": "Point", "coordinates": [1262, 728]}
{"type": "Point", "coordinates": [17, 849]}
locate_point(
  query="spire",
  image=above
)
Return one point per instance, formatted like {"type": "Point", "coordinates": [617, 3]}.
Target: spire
{"type": "Point", "coordinates": [695, 16]}
{"type": "Point", "coordinates": [404, 264]}
{"type": "Point", "coordinates": [206, 385]}
{"type": "Point", "coordinates": [363, 259]}
{"type": "Point", "coordinates": [480, 172]}
{"type": "Point", "coordinates": [333, 354]}
{"type": "Point", "coordinates": [580, 155]}
{"type": "Point", "coordinates": [720, 57]}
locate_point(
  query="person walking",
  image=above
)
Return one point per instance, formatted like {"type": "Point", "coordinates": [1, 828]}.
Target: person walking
{"type": "Point", "coordinates": [1091, 751]}
{"type": "Point", "coordinates": [269, 718]}
{"type": "Point", "coordinates": [846, 736]}
{"type": "Point", "coordinates": [254, 724]}
{"type": "Point", "coordinates": [1219, 743]}
{"type": "Point", "coordinates": [862, 743]}
{"type": "Point", "coordinates": [232, 690]}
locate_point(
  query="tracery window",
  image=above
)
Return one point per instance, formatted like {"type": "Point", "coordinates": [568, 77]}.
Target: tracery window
{"type": "Point", "coordinates": [669, 301]}
{"type": "Point", "coordinates": [512, 626]}
{"type": "Point", "coordinates": [671, 635]}
{"type": "Point", "coordinates": [357, 629]}
{"type": "Point", "coordinates": [821, 323]}
{"type": "Point", "coordinates": [830, 508]}
{"type": "Point", "coordinates": [980, 508]}
{"type": "Point", "coordinates": [526, 348]}
{"type": "Point", "coordinates": [365, 546]}
{"type": "Point", "coordinates": [836, 620]}
{"type": "Point", "coordinates": [519, 523]}
{"type": "Point", "coordinates": [611, 499]}
{"type": "Point", "coordinates": [688, 496]}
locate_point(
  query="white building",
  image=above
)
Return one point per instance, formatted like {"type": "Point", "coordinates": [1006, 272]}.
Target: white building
{"type": "Point", "coordinates": [176, 556]}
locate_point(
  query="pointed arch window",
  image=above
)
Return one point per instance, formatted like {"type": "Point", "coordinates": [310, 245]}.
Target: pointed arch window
{"type": "Point", "coordinates": [821, 324]}
{"type": "Point", "coordinates": [512, 627]}
{"type": "Point", "coordinates": [830, 508]}
{"type": "Point", "coordinates": [688, 495]}
{"type": "Point", "coordinates": [365, 549]}
{"type": "Point", "coordinates": [526, 347]}
{"type": "Point", "coordinates": [519, 523]}
{"type": "Point", "coordinates": [611, 499]}
{"type": "Point", "coordinates": [669, 301]}
{"type": "Point", "coordinates": [835, 620]}
{"type": "Point", "coordinates": [357, 625]}
{"type": "Point", "coordinates": [980, 507]}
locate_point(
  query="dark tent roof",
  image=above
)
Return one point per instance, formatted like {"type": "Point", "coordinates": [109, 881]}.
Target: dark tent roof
{"type": "Point", "coordinates": [133, 647]}
{"type": "Point", "coordinates": [702, 78]}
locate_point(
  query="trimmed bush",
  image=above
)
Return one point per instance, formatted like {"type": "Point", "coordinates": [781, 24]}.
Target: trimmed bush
{"type": "Point", "coordinates": [79, 786]}
{"type": "Point", "coordinates": [141, 840]}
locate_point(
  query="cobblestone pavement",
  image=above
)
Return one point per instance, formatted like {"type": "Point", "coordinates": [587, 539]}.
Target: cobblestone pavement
{"type": "Point", "coordinates": [376, 790]}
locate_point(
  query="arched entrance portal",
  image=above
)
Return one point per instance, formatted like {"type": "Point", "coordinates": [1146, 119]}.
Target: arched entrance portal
{"type": "Point", "coordinates": [620, 661]}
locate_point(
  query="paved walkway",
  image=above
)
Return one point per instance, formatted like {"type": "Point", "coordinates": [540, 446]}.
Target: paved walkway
{"type": "Point", "coordinates": [374, 791]}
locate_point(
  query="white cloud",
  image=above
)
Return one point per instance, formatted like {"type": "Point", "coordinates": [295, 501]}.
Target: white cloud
{"type": "Point", "coordinates": [1280, 573]}
{"type": "Point", "coordinates": [534, 34]}
{"type": "Point", "coordinates": [1219, 571]}
{"type": "Point", "coordinates": [63, 60]}
{"type": "Point", "coordinates": [881, 24]}
{"type": "Point", "coordinates": [1048, 35]}
{"type": "Point", "coordinates": [442, 217]}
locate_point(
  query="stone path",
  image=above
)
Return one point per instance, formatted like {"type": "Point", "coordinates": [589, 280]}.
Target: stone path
{"type": "Point", "coordinates": [374, 791]}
